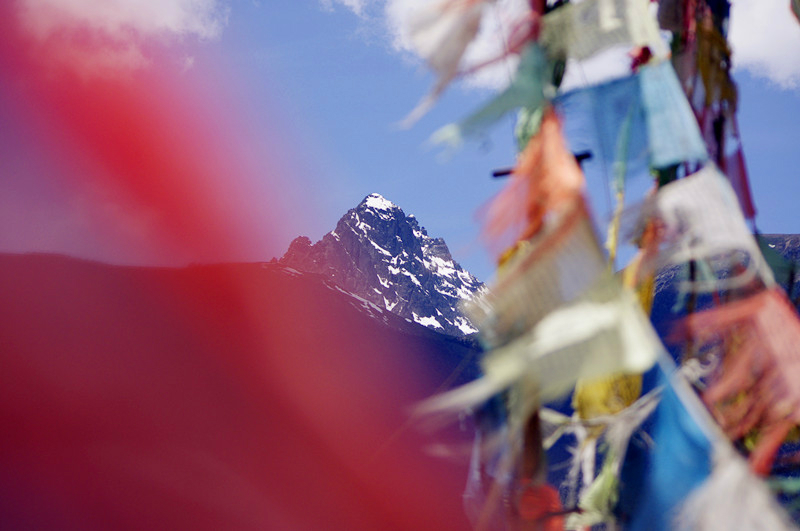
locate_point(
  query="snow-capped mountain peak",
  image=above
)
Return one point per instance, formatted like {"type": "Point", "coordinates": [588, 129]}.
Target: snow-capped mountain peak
{"type": "Point", "coordinates": [383, 255]}
{"type": "Point", "coordinates": [378, 202]}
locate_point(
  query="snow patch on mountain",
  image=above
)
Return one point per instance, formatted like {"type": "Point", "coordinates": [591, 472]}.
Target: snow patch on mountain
{"type": "Point", "coordinates": [429, 321]}
{"type": "Point", "coordinates": [385, 257]}
{"type": "Point", "coordinates": [378, 202]}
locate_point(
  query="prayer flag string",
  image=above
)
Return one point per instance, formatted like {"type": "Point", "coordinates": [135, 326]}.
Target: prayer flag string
{"type": "Point", "coordinates": [646, 453]}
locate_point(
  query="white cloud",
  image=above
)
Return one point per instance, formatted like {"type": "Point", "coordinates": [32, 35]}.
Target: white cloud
{"type": "Point", "coordinates": [765, 38]}
{"type": "Point", "coordinates": [392, 17]}
{"type": "Point", "coordinates": [499, 18]}
{"type": "Point", "coordinates": [356, 6]}
{"type": "Point", "coordinates": [106, 35]}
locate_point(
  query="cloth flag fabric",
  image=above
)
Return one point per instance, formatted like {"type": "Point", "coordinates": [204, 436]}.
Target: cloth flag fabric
{"type": "Point", "coordinates": [650, 106]}
{"type": "Point", "coordinates": [556, 322]}
{"type": "Point", "coordinates": [545, 182]}
{"type": "Point", "coordinates": [530, 88]}
{"type": "Point", "coordinates": [660, 476]}
{"type": "Point", "coordinates": [581, 30]}
{"type": "Point", "coordinates": [701, 220]}
{"type": "Point", "coordinates": [755, 385]}
{"type": "Point", "coordinates": [671, 127]}
{"type": "Point", "coordinates": [555, 267]}
{"type": "Point", "coordinates": [440, 34]}
{"type": "Point", "coordinates": [732, 498]}
{"type": "Point", "coordinates": [601, 333]}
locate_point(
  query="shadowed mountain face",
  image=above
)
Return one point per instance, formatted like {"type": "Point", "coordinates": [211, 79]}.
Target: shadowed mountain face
{"type": "Point", "coordinates": [385, 257]}
{"type": "Point", "coordinates": [237, 396]}
{"type": "Point", "coordinates": [782, 252]}
{"type": "Point", "coordinates": [787, 245]}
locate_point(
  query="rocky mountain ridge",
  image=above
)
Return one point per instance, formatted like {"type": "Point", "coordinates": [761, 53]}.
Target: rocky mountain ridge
{"type": "Point", "coordinates": [383, 255]}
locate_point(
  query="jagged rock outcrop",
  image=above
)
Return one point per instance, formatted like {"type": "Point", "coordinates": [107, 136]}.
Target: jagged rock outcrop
{"type": "Point", "coordinates": [378, 252]}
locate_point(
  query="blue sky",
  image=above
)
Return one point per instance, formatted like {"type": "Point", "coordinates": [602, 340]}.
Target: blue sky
{"type": "Point", "coordinates": [343, 87]}
{"type": "Point", "coordinates": [343, 90]}
{"type": "Point", "coordinates": [329, 80]}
